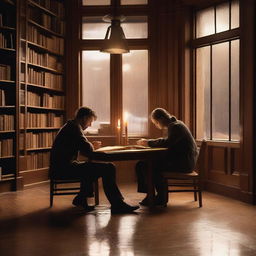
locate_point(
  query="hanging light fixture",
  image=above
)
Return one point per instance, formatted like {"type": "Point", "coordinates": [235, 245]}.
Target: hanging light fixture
{"type": "Point", "coordinates": [115, 41]}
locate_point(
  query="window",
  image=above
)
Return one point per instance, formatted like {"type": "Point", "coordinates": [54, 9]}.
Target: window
{"type": "Point", "coordinates": [121, 91]}
{"type": "Point", "coordinates": [217, 72]}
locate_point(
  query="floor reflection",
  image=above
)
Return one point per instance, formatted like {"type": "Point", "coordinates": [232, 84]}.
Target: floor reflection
{"type": "Point", "coordinates": [110, 234]}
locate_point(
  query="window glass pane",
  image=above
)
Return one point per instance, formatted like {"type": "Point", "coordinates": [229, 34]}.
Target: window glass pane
{"type": "Point", "coordinates": [96, 85]}
{"type": "Point", "coordinates": [203, 93]}
{"type": "Point", "coordinates": [234, 14]}
{"type": "Point", "coordinates": [205, 22]}
{"type": "Point", "coordinates": [135, 27]}
{"type": "Point", "coordinates": [135, 91]}
{"type": "Point", "coordinates": [96, 2]}
{"type": "Point", "coordinates": [235, 90]}
{"type": "Point", "coordinates": [222, 17]}
{"type": "Point", "coordinates": [94, 28]}
{"type": "Point", "coordinates": [220, 91]}
{"type": "Point", "coordinates": [126, 2]}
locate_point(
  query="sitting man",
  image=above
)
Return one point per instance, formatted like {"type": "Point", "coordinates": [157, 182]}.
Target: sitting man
{"type": "Point", "coordinates": [70, 141]}
{"type": "Point", "coordinates": [181, 156]}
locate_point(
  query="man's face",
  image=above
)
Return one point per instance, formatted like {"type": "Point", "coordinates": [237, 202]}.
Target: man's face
{"type": "Point", "coordinates": [86, 122]}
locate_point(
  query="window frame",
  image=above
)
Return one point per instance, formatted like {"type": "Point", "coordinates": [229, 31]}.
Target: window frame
{"type": "Point", "coordinates": [116, 102]}
{"type": "Point", "coordinates": [210, 40]}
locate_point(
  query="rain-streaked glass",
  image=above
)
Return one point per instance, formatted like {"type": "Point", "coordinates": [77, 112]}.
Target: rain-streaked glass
{"type": "Point", "coordinates": [235, 14]}
{"type": "Point", "coordinates": [203, 114]}
{"type": "Point", "coordinates": [135, 91]}
{"type": "Point", "coordinates": [94, 28]}
{"type": "Point", "coordinates": [220, 91]}
{"type": "Point", "coordinates": [222, 17]}
{"type": "Point", "coordinates": [205, 22]}
{"type": "Point", "coordinates": [96, 88]}
{"type": "Point", "coordinates": [235, 127]}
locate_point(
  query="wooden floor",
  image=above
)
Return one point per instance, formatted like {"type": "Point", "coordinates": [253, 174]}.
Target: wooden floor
{"type": "Point", "coordinates": [29, 227]}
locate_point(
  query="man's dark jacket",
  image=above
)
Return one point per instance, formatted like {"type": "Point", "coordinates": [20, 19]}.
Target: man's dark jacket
{"type": "Point", "coordinates": [69, 141]}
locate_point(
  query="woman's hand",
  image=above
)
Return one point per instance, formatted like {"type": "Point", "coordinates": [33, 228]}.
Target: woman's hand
{"type": "Point", "coordinates": [142, 142]}
{"type": "Point", "coordinates": [96, 144]}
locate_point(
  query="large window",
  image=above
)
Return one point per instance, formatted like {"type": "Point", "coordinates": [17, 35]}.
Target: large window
{"type": "Point", "coordinates": [116, 86]}
{"type": "Point", "coordinates": [216, 46]}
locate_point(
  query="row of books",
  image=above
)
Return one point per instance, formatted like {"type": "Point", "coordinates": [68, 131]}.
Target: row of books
{"type": "Point", "coordinates": [38, 160]}
{"type": "Point", "coordinates": [44, 59]}
{"type": "Point", "coordinates": [45, 100]}
{"type": "Point", "coordinates": [47, 21]}
{"type": "Point", "coordinates": [39, 140]}
{"type": "Point", "coordinates": [56, 7]}
{"type": "Point", "coordinates": [6, 147]}
{"type": "Point", "coordinates": [52, 43]}
{"type": "Point", "coordinates": [5, 72]}
{"type": "Point", "coordinates": [6, 122]}
{"type": "Point", "coordinates": [6, 40]}
{"type": "Point", "coordinates": [46, 79]}
{"type": "Point", "coordinates": [41, 120]}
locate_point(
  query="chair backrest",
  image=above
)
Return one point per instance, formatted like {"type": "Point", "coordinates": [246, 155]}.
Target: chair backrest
{"type": "Point", "coordinates": [200, 158]}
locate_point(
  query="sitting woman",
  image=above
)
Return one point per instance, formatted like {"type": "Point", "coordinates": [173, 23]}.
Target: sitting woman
{"type": "Point", "coordinates": [181, 156]}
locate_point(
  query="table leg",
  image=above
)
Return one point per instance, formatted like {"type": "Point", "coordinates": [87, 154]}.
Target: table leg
{"type": "Point", "coordinates": [150, 187]}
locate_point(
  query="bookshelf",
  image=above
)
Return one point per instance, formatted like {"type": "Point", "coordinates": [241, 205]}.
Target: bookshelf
{"type": "Point", "coordinates": [8, 92]}
{"type": "Point", "coordinates": [41, 87]}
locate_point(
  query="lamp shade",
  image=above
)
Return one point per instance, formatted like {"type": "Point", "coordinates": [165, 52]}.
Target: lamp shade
{"type": "Point", "coordinates": [115, 41]}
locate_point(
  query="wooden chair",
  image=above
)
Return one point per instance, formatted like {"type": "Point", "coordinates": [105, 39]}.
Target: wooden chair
{"type": "Point", "coordinates": [187, 182]}
{"type": "Point", "coordinates": [61, 187]}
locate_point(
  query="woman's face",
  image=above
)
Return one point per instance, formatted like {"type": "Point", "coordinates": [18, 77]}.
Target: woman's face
{"type": "Point", "coordinates": [157, 124]}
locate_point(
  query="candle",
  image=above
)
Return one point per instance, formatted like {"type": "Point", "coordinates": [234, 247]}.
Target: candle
{"type": "Point", "coordinates": [119, 132]}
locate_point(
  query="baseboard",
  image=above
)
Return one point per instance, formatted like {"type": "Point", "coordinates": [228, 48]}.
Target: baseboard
{"type": "Point", "coordinates": [232, 192]}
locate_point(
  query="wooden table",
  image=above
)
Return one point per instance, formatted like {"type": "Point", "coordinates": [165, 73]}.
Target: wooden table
{"type": "Point", "coordinates": [147, 154]}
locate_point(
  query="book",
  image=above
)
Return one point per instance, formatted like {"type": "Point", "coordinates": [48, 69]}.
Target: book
{"type": "Point", "coordinates": [116, 148]}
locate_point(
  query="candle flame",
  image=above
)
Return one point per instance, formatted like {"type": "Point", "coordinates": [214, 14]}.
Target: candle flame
{"type": "Point", "coordinates": [119, 123]}
{"type": "Point", "coordinates": [126, 115]}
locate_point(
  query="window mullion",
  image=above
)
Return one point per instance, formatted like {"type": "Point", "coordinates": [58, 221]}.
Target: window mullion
{"type": "Point", "coordinates": [116, 101]}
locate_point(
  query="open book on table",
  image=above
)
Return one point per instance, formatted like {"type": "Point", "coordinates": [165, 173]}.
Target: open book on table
{"type": "Point", "coordinates": [115, 148]}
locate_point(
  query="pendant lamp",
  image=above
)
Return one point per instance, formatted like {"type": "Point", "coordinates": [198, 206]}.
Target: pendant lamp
{"type": "Point", "coordinates": [115, 41]}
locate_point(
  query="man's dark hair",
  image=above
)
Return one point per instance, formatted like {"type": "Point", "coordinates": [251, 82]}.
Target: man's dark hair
{"type": "Point", "coordinates": [160, 114]}
{"type": "Point", "coordinates": [85, 112]}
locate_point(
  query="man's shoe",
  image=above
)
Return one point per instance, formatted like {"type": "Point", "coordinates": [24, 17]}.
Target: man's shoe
{"type": "Point", "coordinates": [81, 203]}
{"type": "Point", "coordinates": [123, 208]}
{"type": "Point", "coordinates": [156, 202]}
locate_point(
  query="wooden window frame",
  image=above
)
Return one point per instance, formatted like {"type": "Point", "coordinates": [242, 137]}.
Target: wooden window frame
{"type": "Point", "coordinates": [210, 40]}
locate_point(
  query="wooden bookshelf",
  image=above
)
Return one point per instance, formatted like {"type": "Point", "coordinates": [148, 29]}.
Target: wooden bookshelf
{"type": "Point", "coordinates": [8, 92]}
{"type": "Point", "coordinates": [42, 92]}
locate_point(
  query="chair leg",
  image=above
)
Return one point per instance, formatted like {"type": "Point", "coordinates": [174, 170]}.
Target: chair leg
{"type": "Point", "coordinates": [96, 192]}
{"type": "Point", "coordinates": [51, 193]}
{"type": "Point", "coordinates": [195, 188]}
{"type": "Point", "coordinates": [200, 198]}
{"type": "Point", "coordinates": [166, 190]}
